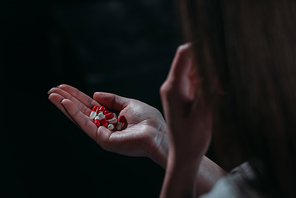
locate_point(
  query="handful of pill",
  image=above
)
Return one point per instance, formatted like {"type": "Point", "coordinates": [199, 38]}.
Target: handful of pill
{"type": "Point", "coordinates": [103, 117]}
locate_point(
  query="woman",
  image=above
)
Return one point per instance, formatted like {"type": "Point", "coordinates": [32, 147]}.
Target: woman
{"type": "Point", "coordinates": [246, 51]}
{"type": "Point", "coordinates": [232, 83]}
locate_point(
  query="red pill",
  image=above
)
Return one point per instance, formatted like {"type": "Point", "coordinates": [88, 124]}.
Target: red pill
{"type": "Point", "coordinates": [106, 112]}
{"type": "Point", "coordinates": [94, 112]}
{"type": "Point", "coordinates": [122, 119]}
{"type": "Point", "coordinates": [104, 122]}
{"type": "Point", "coordinates": [121, 122]}
{"type": "Point", "coordinates": [95, 108]}
{"type": "Point", "coordinates": [102, 108]}
{"type": "Point", "coordinates": [97, 121]}
{"type": "Point", "coordinates": [113, 120]}
{"type": "Point", "coordinates": [109, 116]}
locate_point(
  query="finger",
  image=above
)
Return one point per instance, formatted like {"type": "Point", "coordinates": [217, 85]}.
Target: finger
{"type": "Point", "coordinates": [183, 66]}
{"type": "Point", "coordinates": [111, 101]}
{"type": "Point", "coordinates": [84, 109]}
{"type": "Point", "coordinates": [102, 138]}
{"type": "Point", "coordinates": [82, 97]}
{"type": "Point", "coordinates": [182, 80]}
{"type": "Point", "coordinates": [80, 119]}
{"type": "Point", "coordinates": [56, 100]}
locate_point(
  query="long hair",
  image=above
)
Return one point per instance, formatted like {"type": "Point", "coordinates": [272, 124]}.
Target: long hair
{"type": "Point", "coordinates": [250, 46]}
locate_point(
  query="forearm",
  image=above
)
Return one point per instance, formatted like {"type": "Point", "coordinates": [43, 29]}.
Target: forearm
{"type": "Point", "coordinates": [159, 151]}
{"type": "Point", "coordinates": [208, 172]}
{"type": "Point", "coordinates": [180, 178]}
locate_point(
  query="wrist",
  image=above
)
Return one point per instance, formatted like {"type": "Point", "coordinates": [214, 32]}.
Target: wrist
{"type": "Point", "coordinates": [160, 146]}
{"type": "Point", "coordinates": [187, 155]}
{"type": "Point", "coordinates": [184, 161]}
{"type": "Point", "coordinates": [180, 178]}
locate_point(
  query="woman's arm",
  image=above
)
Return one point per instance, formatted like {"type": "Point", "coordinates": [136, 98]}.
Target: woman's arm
{"type": "Point", "coordinates": [208, 173]}
{"type": "Point", "coordinates": [191, 178]}
{"type": "Point", "coordinates": [189, 124]}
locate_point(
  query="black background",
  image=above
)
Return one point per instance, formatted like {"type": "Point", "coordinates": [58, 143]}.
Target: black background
{"type": "Point", "coordinates": [84, 44]}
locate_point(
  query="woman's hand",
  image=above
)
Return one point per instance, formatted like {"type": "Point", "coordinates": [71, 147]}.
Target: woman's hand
{"type": "Point", "coordinates": [188, 115]}
{"type": "Point", "coordinates": [145, 134]}
{"type": "Point", "coordinates": [189, 122]}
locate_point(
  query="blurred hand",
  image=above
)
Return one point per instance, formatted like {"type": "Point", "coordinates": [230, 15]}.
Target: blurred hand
{"type": "Point", "coordinates": [188, 115]}
{"type": "Point", "coordinates": [145, 134]}
{"type": "Point", "coordinates": [189, 122]}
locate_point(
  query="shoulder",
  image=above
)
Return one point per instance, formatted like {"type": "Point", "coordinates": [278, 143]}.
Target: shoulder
{"type": "Point", "coordinates": [238, 183]}
{"type": "Point", "coordinates": [221, 189]}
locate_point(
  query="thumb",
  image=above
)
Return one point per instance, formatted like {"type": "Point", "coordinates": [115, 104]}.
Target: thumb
{"type": "Point", "coordinates": [111, 101]}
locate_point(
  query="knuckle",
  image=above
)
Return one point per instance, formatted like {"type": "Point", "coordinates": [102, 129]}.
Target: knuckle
{"type": "Point", "coordinates": [113, 100]}
{"type": "Point", "coordinates": [85, 110]}
{"type": "Point", "coordinates": [166, 90]}
{"type": "Point", "coordinates": [163, 89]}
{"type": "Point", "coordinates": [89, 102]}
{"type": "Point", "coordinates": [74, 115]}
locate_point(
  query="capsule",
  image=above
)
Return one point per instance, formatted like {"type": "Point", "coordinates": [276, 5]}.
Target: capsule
{"type": "Point", "coordinates": [106, 112]}
{"type": "Point", "coordinates": [97, 121]}
{"type": "Point", "coordinates": [102, 108]}
{"type": "Point", "coordinates": [94, 112]}
{"type": "Point", "coordinates": [109, 116]}
{"type": "Point", "coordinates": [111, 126]}
{"type": "Point", "coordinates": [121, 122]}
{"type": "Point", "coordinates": [104, 122]}
{"type": "Point", "coordinates": [113, 120]}
{"type": "Point", "coordinates": [101, 115]}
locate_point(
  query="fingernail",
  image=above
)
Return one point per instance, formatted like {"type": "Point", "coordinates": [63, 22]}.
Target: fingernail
{"type": "Point", "coordinates": [49, 95]}
{"type": "Point", "coordinates": [185, 45]}
{"type": "Point", "coordinates": [49, 90]}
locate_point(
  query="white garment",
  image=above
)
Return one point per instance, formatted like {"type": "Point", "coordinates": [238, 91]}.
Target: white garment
{"type": "Point", "coordinates": [235, 185]}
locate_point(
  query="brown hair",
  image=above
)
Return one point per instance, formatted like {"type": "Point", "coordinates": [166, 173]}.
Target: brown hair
{"type": "Point", "coordinates": [251, 46]}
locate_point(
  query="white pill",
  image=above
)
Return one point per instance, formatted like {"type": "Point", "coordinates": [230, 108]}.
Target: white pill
{"type": "Point", "coordinates": [113, 120]}
{"type": "Point", "coordinates": [110, 126]}
{"type": "Point", "coordinates": [93, 114]}
{"type": "Point", "coordinates": [121, 122]}
{"type": "Point", "coordinates": [119, 126]}
{"type": "Point", "coordinates": [101, 115]}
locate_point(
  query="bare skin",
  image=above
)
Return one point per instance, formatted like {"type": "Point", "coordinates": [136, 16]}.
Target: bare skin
{"type": "Point", "coordinates": [146, 134]}
{"type": "Point", "coordinates": [189, 123]}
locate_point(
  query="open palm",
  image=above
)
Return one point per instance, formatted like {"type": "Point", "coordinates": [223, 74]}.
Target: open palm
{"type": "Point", "coordinates": [145, 134]}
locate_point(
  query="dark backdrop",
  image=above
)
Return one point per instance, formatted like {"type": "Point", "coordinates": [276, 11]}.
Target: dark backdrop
{"type": "Point", "coordinates": [84, 44]}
